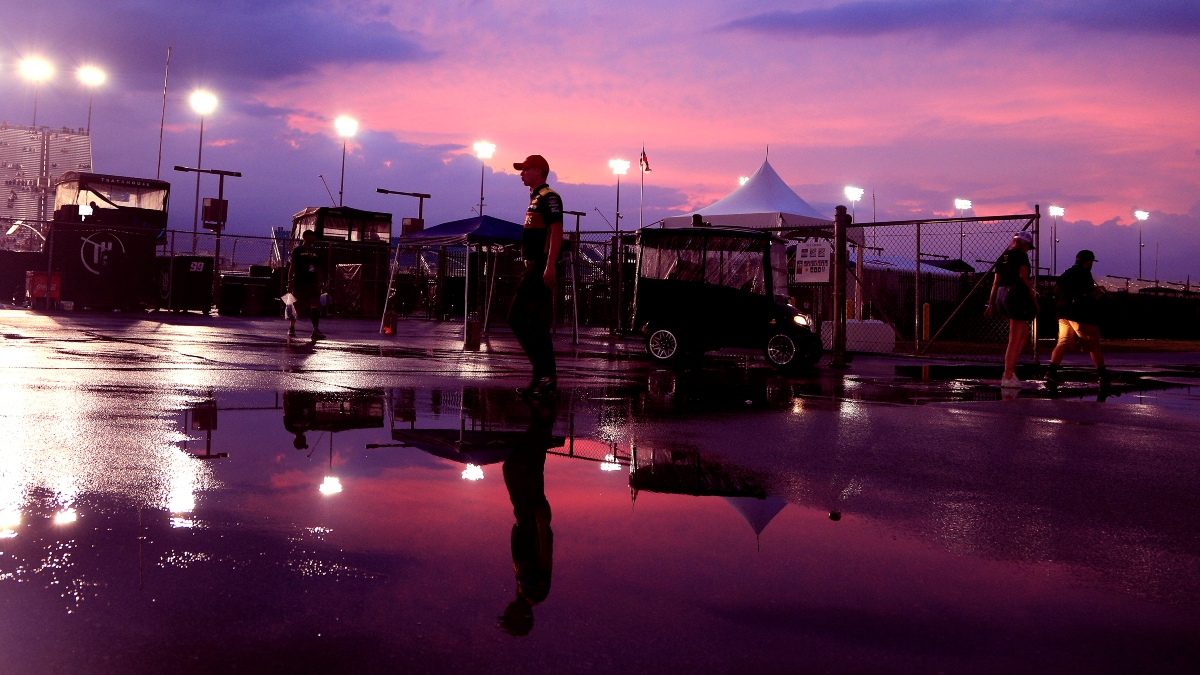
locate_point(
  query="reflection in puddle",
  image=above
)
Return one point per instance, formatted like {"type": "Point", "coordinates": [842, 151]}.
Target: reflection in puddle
{"type": "Point", "coordinates": [700, 500]}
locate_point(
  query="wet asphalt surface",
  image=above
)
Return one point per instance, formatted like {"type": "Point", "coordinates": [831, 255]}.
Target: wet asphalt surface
{"type": "Point", "coordinates": [202, 495]}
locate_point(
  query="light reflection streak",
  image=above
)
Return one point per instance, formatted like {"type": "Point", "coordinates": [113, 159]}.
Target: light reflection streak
{"type": "Point", "coordinates": [331, 486]}
{"type": "Point", "coordinates": [610, 463]}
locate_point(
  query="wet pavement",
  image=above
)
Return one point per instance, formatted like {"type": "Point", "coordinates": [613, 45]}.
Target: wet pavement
{"type": "Point", "coordinates": [196, 495]}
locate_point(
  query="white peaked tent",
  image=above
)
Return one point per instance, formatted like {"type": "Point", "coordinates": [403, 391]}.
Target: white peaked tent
{"type": "Point", "coordinates": [762, 202]}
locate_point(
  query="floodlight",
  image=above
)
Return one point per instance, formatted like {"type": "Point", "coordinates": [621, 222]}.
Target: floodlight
{"type": "Point", "coordinates": [346, 126]}
{"type": "Point", "coordinates": [619, 166]}
{"type": "Point", "coordinates": [1141, 215]}
{"type": "Point", "coordinates": [854, 194]}
{"type": "Point", "coordinates": [13, 230]}
{"type": "Point", "coordinates": [203, 102]}
{"type": "Point", "coordinates": [91, 76]}
{"type": "Point", "coordinates": [962, 204]}
{"type": "Point", "coordinates": [35, 69]}
{"type": "Point", "coordinates": [1057, 211]}
{"type": "Point", "coordinates": [742, 180]}
{"type": "Point", "coordinates": [485, 150]}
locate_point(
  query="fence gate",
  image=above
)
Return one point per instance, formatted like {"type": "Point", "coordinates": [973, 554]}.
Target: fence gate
{"type": "Point", "coordinates": [930, 279]}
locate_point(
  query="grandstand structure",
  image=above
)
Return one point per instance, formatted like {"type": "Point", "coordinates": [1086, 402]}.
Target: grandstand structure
{"type": "Point", "coordinates": [31, 161]}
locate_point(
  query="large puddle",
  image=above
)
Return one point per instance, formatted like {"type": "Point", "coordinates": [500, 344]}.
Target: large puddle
{"type": "Point", "coordinates": [704, 523]}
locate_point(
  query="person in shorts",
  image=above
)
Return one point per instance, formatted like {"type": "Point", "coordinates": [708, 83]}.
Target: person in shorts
{"type": "Point", "coordinates": [305, 277]}
{"type": "Point", "coordinates": [1014, 299]}
{"type": "Point", "coordinates": [1076, 298]}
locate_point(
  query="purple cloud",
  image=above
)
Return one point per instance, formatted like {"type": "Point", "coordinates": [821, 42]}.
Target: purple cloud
{"type": "Point", "coordinates": [874, 17]}
{"type": "Point", "coordinates": [238, 42]}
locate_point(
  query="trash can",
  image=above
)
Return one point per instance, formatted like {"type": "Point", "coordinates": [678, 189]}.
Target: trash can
{"type": "Point", "coordinates": [243, 296]}
{"type": "Point", "coordinates": [186, 283]}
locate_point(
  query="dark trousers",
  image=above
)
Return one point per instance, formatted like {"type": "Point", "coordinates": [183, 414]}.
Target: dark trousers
{"type": "Point", "coordinates": [530, 318]}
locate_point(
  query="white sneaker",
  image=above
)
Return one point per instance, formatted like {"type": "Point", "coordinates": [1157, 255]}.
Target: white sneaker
{"type": "Point", "coordinates": [1011, 383]}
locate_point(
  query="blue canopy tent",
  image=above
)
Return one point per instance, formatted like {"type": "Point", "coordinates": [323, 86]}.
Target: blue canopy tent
{"type": "Point", "coordinates": [478, 231]}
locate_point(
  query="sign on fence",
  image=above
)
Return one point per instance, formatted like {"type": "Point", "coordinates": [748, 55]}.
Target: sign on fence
{"type": "Point", "coordinates": [812, 261]}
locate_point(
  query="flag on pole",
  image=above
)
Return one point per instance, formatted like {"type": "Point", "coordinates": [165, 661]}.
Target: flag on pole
{"type": "Point", "coordinates": [643, 161]}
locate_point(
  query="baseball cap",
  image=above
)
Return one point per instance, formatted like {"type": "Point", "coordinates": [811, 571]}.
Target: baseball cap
{"type": "Point", "coordinates": [1026, 237]}
{"type": "Point", "coordinates": [1084, 256]}
{"type": "Point", "coordinates": [533, 162]}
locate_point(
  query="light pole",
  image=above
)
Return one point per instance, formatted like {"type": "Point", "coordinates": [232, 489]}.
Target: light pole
{"type": "Point", "coordinates": [854, 194]}
{"type": "Point", "coordinates": [1055, 212]}
{"type": "Point", "coordinates": [619, 167]}
{"type": "Point", "coordinates": [203, 103]}
{"type": "Point", "coordinates": [35, 70]}
{"type": "Point", "coordinates": [346, 128]}
{"type": "Point", "coordinates": [484, 151]}
{"type": "Point", "coordinates": [91, 77]}
{"type": "Point", "coordinates": [962, 205]}
{"type": "Point", "coordinates": [1142, 216]}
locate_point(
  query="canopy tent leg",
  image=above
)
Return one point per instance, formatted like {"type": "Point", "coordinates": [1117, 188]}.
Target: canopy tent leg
{"type": "Point", "coordinates": [466, 291]}
{"type": "Point", "coordinates": [487, 311]}
{"type": "Point", "coordinates": [575, 285]}
{"type": "Point", "coordinates": [391, 279]}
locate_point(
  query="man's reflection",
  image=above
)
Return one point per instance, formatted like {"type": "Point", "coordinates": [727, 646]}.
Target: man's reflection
{"type": "Point", "coordinates": [532, 539]}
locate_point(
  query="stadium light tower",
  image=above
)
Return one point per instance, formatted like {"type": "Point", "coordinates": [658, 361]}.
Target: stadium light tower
{"type": "Point", "coordinates": [35, 70]}
{"type": "Point", "coordinates": [1142, 217]}
{"type": "Point", "coordinates": [619, 167]}
{"type": "Point", "coordinates": [1055, 212]}
{"type": "Point", "coordinates": [203, 103]}
{"type": "Point", "coordinates": [91, 77]}
{"type": "Point", "coordinates": [854, 194]}
{"type": "Point", "coordinates": [346, 128]}
{"type": "Point", "coordinates": [484, 151]}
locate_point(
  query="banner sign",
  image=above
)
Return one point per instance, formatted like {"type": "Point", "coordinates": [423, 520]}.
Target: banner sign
{"type": "Point", "coordinates": [813, 261]}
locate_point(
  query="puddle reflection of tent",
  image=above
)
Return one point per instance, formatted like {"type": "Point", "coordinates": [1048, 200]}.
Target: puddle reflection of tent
{"type": "Point", "coordinates": [758, 512]}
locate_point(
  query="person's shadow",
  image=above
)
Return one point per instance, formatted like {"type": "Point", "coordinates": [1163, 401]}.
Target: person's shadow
{"type": "Point", "coordinates": [532, 539]}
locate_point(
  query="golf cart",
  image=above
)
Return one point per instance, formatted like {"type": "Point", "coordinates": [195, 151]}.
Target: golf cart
{"type": "Point", "coordinates": [712, 287]}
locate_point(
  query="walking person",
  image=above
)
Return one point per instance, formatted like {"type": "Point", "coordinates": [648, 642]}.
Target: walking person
{"type": "Point", "coordinates": [1076, 298]}
{"type": "Point", "coordinates": [1013, 298]}
{"type": "Point", "coordinates": [531, 313]}
{"type": "Point", "coordinates": [305, 279]}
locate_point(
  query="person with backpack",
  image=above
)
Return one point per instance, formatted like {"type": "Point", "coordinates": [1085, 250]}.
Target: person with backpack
{"type": "Point", "coordinates": [1076, 298]}
{"type": "Point", "coordinates": [1013, 298]}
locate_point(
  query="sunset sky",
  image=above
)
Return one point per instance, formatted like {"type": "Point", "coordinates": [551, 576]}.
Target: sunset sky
{"type": "Point", "coordinates": [1090, 105]}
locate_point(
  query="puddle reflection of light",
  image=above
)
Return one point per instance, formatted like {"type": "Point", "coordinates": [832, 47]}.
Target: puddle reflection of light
{"type": "Point", "coordinates": [331, 486]}
{"type": "Point", "coordinates": [182, 522]}
{"type": "Point", "coordinates": [472, 472]}
{"type": "Point", "coordinates": [610, 463]}
{"type": "Point", "coordinates": [65, 516]}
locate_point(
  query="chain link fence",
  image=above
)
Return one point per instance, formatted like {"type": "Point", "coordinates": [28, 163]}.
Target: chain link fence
{"type": "Point", "coordinates": [928, 279]}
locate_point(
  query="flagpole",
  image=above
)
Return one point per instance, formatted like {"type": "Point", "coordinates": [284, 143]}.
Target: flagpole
{"type": "Point", "coordinates": [642, 189]}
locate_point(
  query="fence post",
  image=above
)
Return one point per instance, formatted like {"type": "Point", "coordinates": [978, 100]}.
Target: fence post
{"type": "Point", "coordinates": [917, 297]}
{"type": "Point", "coordinates": [49, 266]}
{"type": "Point", "coordinates": [841, 221]}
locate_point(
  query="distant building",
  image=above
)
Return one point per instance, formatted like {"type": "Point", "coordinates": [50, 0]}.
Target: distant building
{"type": "Point", "coordinates": [31, 160]}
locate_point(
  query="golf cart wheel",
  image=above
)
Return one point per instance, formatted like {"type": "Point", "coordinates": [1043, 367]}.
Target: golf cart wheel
{"type": "Point", "coordinates": [787, 352]}
{"type": "Point", "coordinates": [664, 345]}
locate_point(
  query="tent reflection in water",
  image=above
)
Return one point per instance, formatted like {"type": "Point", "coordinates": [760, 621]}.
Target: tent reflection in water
{"type": "Point", "coordinates": [305, 411]}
